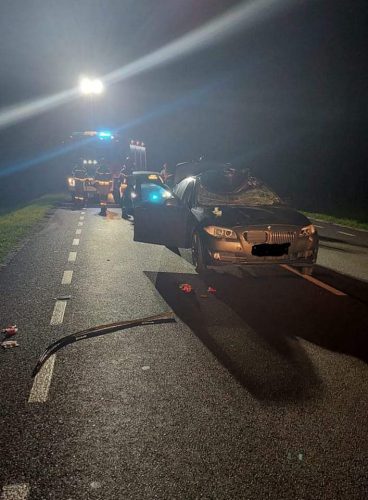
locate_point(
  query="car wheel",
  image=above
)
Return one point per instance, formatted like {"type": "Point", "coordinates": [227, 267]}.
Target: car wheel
{"type": "Point", "coordinates": [307, 270]}
{"type": "Point", "coordinates": [198, 255]}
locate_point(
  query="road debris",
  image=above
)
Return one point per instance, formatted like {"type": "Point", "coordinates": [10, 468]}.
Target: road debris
{"type": "Point", "coordinates": [9, 344]}
{"type": "Point", "coordinates": [211, 290]}
{"type": "Point", "coordinates": [63, 297]}
{"type": "Point", "coordinates": [10, 330]}
{"type": "Point", "coordinates": [97, 331]}
{"type": "Point", "coordinates": [204, 296]}
{"type": "Point", "coordinates": [186, 288]}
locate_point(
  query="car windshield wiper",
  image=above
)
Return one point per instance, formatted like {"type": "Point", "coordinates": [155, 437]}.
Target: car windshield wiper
{"type": "Point", "coordinates": [96, 331]}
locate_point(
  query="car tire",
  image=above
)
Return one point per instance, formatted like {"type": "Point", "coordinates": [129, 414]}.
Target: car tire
{"type": "Point", "coordinates": [307, 270]}
{"type": "Point", "coordinates": [198, 254]}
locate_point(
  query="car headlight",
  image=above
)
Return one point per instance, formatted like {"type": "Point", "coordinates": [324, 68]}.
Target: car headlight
{"type": "Point", "coordinates": [221, 232]}
{"type": "Point", "coordinates": [308, 230]}
{"type": "Point", "coordinates": [71, 182]}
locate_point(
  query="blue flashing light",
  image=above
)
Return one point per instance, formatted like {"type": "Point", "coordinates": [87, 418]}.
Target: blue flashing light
{"type": "Point", "coordinates": [105, 135]}
{"type": "Point", "coordinates": [154, 193]}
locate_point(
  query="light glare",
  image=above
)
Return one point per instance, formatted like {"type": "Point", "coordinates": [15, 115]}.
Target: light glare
{"type": "Point", "coordinates": [89, 87]}
{"type": "Point", "coordinates": [239, 17]}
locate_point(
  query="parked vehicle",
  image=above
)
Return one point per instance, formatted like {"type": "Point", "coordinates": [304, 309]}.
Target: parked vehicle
{"type": "Point", "coordinates": [142, 187]}
{"type": "Point", "coordinates": [229, 218]}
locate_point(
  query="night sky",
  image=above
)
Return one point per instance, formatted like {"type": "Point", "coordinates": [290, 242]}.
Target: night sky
{"type": "Point", "coordinates": [285, 95]}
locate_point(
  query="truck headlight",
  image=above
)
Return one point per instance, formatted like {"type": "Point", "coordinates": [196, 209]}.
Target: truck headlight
{"type": "Point", "coordinates": [221, 232]}
{"type": "Point", "coordinates": [307, 230]}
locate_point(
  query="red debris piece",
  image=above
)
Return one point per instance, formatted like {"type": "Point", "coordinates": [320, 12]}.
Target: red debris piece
{"type": "Point", "coordinates": [186, 288]}
{"type": "Point", "coordinates": [10, 330]}
{"type": "Point", "coordinates": [212, 290]}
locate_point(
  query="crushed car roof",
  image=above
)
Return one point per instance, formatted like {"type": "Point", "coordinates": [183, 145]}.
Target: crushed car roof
{"type": "Point", "coordinates": [188, 169]}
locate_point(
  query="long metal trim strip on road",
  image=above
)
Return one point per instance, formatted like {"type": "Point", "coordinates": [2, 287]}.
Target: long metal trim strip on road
{"type": "Point", "coordinates": [158, 319]}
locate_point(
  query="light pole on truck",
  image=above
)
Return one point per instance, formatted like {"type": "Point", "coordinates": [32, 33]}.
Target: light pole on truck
{"type": "Point", "coordinates": [91, 87]}
{"type": "Point", "coordinates": [138, 151]}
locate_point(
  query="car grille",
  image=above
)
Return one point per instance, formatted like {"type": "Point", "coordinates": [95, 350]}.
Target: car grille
{"type": "Point", "coordinates": [257, 237]}
{"type": "Point", "coordinates": [280, 237]}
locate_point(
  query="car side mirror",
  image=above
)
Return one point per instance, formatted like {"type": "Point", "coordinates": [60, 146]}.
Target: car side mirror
{"type": "Point", "coordinates": [172, 202]}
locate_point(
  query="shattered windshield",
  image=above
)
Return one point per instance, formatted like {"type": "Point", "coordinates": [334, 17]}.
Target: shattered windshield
{"type": "Point", "coordinates": [232, 188]}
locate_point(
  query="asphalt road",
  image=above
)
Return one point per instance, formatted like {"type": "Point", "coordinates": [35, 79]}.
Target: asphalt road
{"type": "Point", "coordinates": [343, 249]}
{"type": "Point", "coordinates": [257, 392]}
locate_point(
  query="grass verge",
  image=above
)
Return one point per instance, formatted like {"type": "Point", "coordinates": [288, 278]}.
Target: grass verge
{"type": "Point", "coordinates": [357, 224]}
{"type": "Point", "coordinates": [17, 222]}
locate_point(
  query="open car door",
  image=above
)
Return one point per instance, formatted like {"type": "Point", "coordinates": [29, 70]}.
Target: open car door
{"type": "Point", "coordinates": [162, 225]}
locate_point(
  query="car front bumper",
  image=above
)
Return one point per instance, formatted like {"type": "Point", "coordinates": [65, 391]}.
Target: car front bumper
{"type": "Point", "coordinates": [301, 251]}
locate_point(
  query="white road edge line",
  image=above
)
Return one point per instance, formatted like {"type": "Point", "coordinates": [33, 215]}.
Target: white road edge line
{"type": "Point", "coordinates": [347, 234]}
{"type": "Point", "coordinates": [315, 281]}
{"type": "Point", "coordinates": [78, 231]}
{"type": "Point", "coordinates": [75, 242]}
{"type": "Point", "coordinates": [72, 256]}
{"type": "Point", "coordinates": [80, 223]}
{"type": "Point", "coordinates": [58, 314]}
{"type": "Point", "coordinates": [67, 277]}
{"type": "Point", "coordinates": [42, 382]}
{"type": "Point", "coordinates": [15, 492]}
{"type": "Point", "coordinates": [319, 227]}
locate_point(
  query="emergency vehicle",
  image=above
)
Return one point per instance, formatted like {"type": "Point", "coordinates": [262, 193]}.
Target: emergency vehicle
{"type": "Point", "coordinates": [88, 150]}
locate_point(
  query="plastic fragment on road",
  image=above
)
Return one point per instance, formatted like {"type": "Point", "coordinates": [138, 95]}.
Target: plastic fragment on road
{"type": "Point", "coordinates": [204, 296]}
{"type": "Point", "coordinates": [63, 297]}
{"type": "Point", "coordinates": [10, 330]}
{"type": "Point", "coordinates": [186, 288]}
{"type": "Point", "coordinates": [9, 344]}
{"type": "Point", "coordinates": [211, 289]}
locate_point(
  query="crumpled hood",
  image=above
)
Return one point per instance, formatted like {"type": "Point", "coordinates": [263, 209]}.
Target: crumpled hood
{"type": "Point", "coordinates": [244, 216]}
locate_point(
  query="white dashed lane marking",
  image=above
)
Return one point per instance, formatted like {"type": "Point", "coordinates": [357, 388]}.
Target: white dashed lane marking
{"type": "Point", "coordinates": [81, 217]}
{"type": "Point", "coordinates": [82, 213]}
{"type": "Point", "coordinates": [58, 314]}
{"type": "Point", "coordinates": [75, 242]}
{"type": "Point", "coordinates": [42, 382]}
{"type": "Point", "coordinates": [319, 227]}
{"type": "Point", "coordinates": [315, 281]}
{"type": "Point", "coordinates": [347, 234]}
{"type": "Point", "coordinates": [67, 278]}
{"type": "Point", "coordinates": [80, 223]}
{"type": "Point", "coordinates": [15, 492]}
{"type": "Point", "coordinates": [72, 256]}
{"type": "Point", "coordinates": [78, 231]}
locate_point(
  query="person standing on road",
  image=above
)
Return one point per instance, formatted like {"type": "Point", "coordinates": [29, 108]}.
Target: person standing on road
{"type": "Point", "coordinates": [79, 174]}
{"type": "Point", "coordinates": [127, 179]}
{"type": "Point", "coordinates": [103, 182]}
{"type": "Point", "coordinates": [167, 175]}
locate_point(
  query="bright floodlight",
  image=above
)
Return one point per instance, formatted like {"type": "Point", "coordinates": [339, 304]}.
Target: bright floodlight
{"type": "Point", "coordinates": [88, 86]}
{"type": "Point", "coordinates": [97, 86]}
